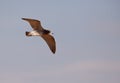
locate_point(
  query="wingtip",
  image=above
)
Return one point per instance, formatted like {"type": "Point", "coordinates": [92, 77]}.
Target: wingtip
{"type": "Point", "coordinates": [53, 51]}
{"type": "Point", "coordinates": [23, 18]}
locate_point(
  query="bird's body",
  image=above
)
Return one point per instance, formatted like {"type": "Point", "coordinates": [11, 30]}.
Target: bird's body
{"type": "Point", "coordinates": [38, 30]}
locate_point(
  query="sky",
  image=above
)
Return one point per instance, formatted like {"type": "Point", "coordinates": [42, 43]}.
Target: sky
{"type": "Point", "coordinates": [87, 34]}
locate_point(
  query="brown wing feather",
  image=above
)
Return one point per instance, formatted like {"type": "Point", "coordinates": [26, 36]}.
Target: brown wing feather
{"type": "Point", "coordinates": [50, 41]}
{"type": "Point", "coordinates": [35, 24]}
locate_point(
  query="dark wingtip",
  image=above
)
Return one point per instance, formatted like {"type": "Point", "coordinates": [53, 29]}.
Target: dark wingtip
{"type": "Point", "coordinates": [53, 51]}
{"type": "Point", "coordinates": [23, 18]}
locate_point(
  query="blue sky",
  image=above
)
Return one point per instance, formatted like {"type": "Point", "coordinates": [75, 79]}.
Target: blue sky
{"type": "Point", "coordinates": [87, 34]}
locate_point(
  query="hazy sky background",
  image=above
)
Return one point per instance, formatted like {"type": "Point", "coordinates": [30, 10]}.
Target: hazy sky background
{"type": "Point", "coordinates": [87, 34]}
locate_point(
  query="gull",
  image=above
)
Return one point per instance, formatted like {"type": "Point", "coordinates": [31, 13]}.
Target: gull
{"type": "Point", "coordinates": [38, 30]}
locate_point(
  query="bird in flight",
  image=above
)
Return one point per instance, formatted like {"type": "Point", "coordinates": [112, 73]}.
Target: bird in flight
{"type": "Point", "coordinates": [38, 30]}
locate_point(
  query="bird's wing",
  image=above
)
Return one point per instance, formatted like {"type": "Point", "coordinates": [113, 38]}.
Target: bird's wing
{"type": "Point", "coordinates": [35, 24]}
{"type": "Point", "coordinates": [50, 41]}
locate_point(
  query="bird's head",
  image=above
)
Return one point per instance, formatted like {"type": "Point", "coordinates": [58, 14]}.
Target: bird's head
{"type": "Point", "coordinates": [46, 31]}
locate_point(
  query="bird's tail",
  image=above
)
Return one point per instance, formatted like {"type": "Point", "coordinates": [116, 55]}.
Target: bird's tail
{"type": "Point", "coordinates": [28, 33]}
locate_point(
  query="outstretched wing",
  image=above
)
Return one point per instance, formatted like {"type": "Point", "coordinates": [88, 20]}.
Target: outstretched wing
{"type": "Point", "coordinates": [35, 24]}
{"type": "Point", "coordinates": [50, 41]}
